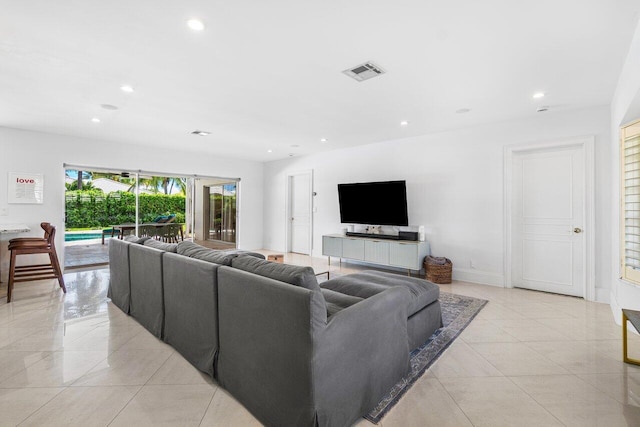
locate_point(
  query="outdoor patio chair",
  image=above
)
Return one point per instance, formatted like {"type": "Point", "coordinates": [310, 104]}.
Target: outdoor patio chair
{"type": "Point", "coordinates": [171, 233]}
{"type": "Point", "coordinates": [148, 231]}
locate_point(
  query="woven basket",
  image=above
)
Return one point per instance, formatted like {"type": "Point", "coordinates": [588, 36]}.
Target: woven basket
{"type": "Point", "coordinates": [438, 273]}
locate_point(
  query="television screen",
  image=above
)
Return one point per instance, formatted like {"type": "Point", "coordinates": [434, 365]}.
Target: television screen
{"type": "Point", "coordinates": [373, 203]}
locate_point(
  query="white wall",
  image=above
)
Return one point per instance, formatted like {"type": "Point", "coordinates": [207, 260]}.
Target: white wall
{"type": "Point", "coordinates": [625, 108]}
{"type": "Point", "coordinates": [33, 152]}
{"type": "Point", "coordinates": [454, 188]}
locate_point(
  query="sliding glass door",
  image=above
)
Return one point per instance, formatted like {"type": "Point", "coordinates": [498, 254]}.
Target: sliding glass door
{"type": "Point", "coordinates": [221, 218]}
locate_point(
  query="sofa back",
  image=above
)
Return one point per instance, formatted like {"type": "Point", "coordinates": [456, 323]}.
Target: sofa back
{"type": "Point", "coordinates": [147, 293]}
{"type": "Point", "coordinates": [191, 309]}
{"type": "Point", "coordinates": [266, 328]}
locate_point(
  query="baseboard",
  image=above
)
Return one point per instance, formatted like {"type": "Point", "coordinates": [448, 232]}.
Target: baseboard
{"type": "Point", "coordinates": [480, 277]}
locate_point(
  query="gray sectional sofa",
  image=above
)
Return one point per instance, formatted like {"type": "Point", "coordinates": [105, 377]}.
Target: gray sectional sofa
{"type": "Point", "coordinates": [292, 352]}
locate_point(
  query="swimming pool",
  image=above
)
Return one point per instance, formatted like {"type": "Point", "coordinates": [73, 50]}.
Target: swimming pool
{"type": "Point", "coordinates": [84, 235]}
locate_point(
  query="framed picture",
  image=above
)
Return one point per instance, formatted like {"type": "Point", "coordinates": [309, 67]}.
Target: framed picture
{"type": "Point", "coordinates": [25, 188]}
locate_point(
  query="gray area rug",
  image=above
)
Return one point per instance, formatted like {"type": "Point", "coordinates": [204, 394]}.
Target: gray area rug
{"type": "Point", "coordinates": [457, 312]}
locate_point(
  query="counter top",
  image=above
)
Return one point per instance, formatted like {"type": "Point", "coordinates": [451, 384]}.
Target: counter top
{"type": "Point", "coordinates": [14, 228]}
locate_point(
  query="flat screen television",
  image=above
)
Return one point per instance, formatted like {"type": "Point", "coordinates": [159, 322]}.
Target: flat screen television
{"type": "Point", "coordinates": [374, 203]}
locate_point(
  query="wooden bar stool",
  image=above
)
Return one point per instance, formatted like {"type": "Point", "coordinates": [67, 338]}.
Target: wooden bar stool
{"type": "Point", "coordinates": [30, 246]}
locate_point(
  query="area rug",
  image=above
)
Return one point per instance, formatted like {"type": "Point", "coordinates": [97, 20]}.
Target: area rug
{"type": "Point", "coordinates": [457, 312]}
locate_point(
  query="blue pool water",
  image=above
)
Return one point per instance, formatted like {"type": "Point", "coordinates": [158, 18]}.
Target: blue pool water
{"type": "Point", "coordinates": [72, 237]}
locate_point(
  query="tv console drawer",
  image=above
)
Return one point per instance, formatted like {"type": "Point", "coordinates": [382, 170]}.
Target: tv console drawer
{"type": "Point", "coordinates": [353, 248]}
{"type": "Point", "coordinates": [404, 254]}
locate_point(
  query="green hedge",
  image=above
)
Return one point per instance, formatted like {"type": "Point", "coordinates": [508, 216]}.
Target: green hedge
{"type": "Point", "coordinates": [94, 209]}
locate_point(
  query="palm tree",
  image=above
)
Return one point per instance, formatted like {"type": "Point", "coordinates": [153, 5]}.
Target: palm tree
{"type": "Point", "coordinates": [182, 184]}
{"type": "Point", "coordinates": [74, 186]}
{"type": "Point", "coordinates": [164, 183]}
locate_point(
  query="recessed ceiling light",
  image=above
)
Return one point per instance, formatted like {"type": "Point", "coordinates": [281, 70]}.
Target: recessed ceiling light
{"type": "Point", "coordinates": [126, 88]}
{"type": "Point", "coordinates": [404, 123]}
{"type": "Point", "coordinates": [323, 139]}
{"type": "Point", "coordinates": [109, 107]}
{"type": "Point", "coordinates": [95, 120]}
{"type": "Point", "coordinates": [463, 110]}
{"type": "Point", "coordinates": [269, 151]}
{"type": "Point", "coordinates": [195, 24]}
{"type": "Point", "coordinates": [538, 95]}
{"type": "Point", "coordinates": [200, 133]}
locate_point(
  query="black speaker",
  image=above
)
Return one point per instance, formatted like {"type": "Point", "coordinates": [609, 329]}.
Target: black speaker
{"type": "Point", "coordinates": [408, 235]}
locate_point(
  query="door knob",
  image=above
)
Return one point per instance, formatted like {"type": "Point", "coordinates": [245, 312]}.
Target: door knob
{"type": "Point", "coordinates": [577, 230]}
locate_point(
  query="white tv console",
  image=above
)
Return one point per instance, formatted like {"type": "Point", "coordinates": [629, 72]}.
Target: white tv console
{"type": "Point", "coordinates": [395, 253]}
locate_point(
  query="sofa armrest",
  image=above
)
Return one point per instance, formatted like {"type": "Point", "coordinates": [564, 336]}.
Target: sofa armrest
{"type": "Point", "coordinates": [119, 279]}
{"type": "Point", "coordinates": [360, 356]}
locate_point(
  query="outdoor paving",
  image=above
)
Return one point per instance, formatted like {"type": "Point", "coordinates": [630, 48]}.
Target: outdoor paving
{"type": "Point", "coordinates": [86, 252]}
{"type": "Point", "coordinates": [92, 252]}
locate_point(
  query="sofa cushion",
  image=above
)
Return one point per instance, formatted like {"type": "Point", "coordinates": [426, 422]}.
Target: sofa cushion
{"type": "Point", "coordinates": [337, 301]}
{"type": "Point", "coordinates": [167, 247]}
{"type": "Point", "coordinates": [135, 239]}
{"type": "Point", "coordinates": [240, 252]}
{"type": "Point", "coordinates": [292, 274]}
{"type": "Point", "coordinates": [193, 250]}
{"type": "Point", "coordinates": [369, 283]}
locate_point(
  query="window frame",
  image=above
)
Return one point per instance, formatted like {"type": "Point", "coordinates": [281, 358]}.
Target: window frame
{"type": "Point", "coordinates": [627, 273]}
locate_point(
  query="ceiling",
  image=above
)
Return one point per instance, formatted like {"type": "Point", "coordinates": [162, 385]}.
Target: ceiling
{"type": "Point", "coordinates": [266, 75]}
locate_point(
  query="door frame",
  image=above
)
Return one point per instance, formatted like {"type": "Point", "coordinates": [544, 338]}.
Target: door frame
{"type": "Point", "coordinates": [288, 206]}
{"type": "Point", "coordinates": [586, 144]}
{"type": "Point", "coordinates": [202, 182]}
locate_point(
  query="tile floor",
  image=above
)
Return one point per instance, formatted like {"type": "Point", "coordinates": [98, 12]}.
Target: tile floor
{"type": "Point", "coordinates": [528, 359]}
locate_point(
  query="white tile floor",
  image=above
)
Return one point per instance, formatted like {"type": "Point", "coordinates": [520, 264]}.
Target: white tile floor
{"type": "Point", "coordinates": [528, 358]}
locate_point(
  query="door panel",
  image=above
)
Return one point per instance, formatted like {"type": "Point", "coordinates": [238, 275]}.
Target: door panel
{"type": "Point", "coordinates": [544, 261]}
{"type": "Point", "coordinates": [548, 204]}
{"type": "Point", "coordinates": [300, 226]}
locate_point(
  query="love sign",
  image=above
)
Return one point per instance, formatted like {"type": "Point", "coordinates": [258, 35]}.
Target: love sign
{"type": "Point", "coordinates": [25, 188]}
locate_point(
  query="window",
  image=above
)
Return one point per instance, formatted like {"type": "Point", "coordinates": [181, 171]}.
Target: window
{"type": "Point", "coordinates": [630, 202]}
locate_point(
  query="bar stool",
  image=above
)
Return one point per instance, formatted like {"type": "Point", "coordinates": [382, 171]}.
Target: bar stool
{"type": "Point", "coordinates": [30, 246]}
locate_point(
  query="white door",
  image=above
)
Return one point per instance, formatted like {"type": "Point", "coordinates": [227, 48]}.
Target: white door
{"type": "Point", "coordinates": [300, 213]}
{"type": "Point", "coordinates": [548, 246]}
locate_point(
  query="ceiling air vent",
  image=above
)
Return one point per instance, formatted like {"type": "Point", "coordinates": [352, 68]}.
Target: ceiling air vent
{"type": "Point", "coordinates": [364, 71]}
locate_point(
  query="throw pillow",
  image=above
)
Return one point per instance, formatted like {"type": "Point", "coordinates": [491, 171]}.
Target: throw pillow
{"type": "Point", "coordinates": [292, 274]}
{"type": "Point", "coordinates": [135, 239]}
{"type": "Point", "coordinates": [193, 250]}
{"type": "Point", "coordinates": [167, 247]}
